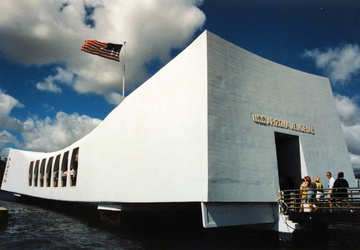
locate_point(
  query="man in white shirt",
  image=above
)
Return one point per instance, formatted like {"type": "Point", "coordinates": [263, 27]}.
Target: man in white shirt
{"type": "Point", "coordinates": [330, 186]}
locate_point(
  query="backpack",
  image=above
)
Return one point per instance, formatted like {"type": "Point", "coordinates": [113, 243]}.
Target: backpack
{"type": "Point", "coordinates": [318, 185]}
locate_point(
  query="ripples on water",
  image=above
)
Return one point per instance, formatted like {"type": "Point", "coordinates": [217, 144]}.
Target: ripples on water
{"type": "Point", "coordinates": [38, 225]}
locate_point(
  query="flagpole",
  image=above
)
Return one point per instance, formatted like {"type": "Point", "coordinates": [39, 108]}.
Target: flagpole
{"type": "Point", "coordinates": [123, 87]}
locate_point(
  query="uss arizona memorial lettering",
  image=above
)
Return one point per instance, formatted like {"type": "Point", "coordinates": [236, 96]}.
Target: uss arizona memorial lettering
{"type": "Point", "coordinates": [266, 120]}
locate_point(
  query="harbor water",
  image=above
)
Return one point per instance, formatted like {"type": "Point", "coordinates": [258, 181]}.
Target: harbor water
{"type": "Point", "coordinates": [44, 225]}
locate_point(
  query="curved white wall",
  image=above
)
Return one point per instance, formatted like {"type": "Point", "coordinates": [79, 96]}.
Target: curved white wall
{"type": "Point", "coordinates": [151, 148]}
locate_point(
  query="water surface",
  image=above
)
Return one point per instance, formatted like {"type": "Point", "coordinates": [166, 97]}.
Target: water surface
{"type": "Point", "coordinates": [44, 225]}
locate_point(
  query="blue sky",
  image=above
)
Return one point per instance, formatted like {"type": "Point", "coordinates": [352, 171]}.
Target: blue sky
{"type": "Point", "coordinates": [51, 91]}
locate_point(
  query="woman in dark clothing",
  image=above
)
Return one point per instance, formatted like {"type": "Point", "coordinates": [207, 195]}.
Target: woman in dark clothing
{"type": "Point", "coordinates": [340, 190]}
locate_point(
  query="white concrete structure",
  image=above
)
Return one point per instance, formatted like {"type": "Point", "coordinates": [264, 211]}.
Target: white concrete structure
{"type": "Point", "coordinates": [218, 126]}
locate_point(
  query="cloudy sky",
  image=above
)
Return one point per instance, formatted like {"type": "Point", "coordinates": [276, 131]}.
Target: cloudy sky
{"type": "Point", "coordinates": [51, 91]}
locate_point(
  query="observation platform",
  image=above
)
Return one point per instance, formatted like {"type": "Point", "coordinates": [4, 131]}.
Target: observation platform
{"type": "Point", "coordinates": [329, 207]}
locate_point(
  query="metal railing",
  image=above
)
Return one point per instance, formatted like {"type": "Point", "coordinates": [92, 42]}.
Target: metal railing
{"type": "Point", "coordinates": [295, 200]}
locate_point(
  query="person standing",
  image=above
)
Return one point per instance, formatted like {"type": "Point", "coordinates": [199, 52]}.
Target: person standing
{"type": "Point", "coordinates": [340, 190]}
{"type": "Point", "coordinates": [64, 177]}
{"type": "Point", "coordinates": [331, 180]}
{"type": "Point", "coordinates": [311, 192]}
{"type": "Point", "coordinates": [73, 176]}
{"type": "Point", "coordinates": [330, 187]}
{"type": "Point", "coordinates": [319, 191]}
{"type": "Point", "coordinates": [304, 188]}
{"type": "Point", "coordinates": [56, 177]}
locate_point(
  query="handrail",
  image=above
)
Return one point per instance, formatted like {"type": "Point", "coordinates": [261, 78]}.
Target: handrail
{"type": "Point", "coordinates": [297, 200]}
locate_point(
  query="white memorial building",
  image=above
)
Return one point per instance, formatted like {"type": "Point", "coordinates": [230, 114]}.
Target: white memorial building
{"type": "Point", "coordinates": [217, 126]}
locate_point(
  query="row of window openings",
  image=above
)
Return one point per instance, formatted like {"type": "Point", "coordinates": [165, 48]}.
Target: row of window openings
{"type": "Point", "coordinates": [45, 176]}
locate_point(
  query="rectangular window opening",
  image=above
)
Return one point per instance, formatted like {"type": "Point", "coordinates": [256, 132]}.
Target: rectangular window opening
{"type": "Point", "coordinates": [31, 169]}
{"type": "Point", "coordinates": [64, 169]}
{"type": "Point", "coordinates": [42, 172]}
{"type": "Point", "coordinates": [74, 166]}
{"type": "Point", "coordinates": [56, 170]}
{"type": "Point", "coordinates": [36, 173]}
{"type": "Point", "coordinates": [48, 171]}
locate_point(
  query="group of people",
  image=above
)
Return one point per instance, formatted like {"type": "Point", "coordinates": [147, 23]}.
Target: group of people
{"type": "Point", "coordinates": [72, 177]}
{"type": "Point", "coordinates": [64, 177]}
{"type": "Point", "coordinates": [312, 192]}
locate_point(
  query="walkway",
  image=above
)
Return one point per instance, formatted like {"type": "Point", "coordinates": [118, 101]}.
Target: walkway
{"type": "Point", "coordinates": [340, 207]}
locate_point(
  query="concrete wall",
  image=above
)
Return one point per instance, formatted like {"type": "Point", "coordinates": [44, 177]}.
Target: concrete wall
{"type": "Point", "coordinates": [242, 153]}
{"type": "Point", "coordinates": [155, 142]}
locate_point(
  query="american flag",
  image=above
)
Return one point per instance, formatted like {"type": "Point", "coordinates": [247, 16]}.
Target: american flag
{"type": "Point", "coordinates": [107, 50]}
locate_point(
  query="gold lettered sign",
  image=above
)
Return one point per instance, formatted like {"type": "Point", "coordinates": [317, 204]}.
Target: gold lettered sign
{"type": "Point", "coordinates": [269, 121]}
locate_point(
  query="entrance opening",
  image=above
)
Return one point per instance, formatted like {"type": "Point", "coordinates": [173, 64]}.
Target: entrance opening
{"type": "Point", "coordinates": [288, 158]}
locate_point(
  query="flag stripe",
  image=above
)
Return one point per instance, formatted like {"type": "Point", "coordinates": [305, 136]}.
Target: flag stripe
{"type": "Point", "coordinates": [103, 49]}
{"type": "Point", "coordinates": [109, 55]}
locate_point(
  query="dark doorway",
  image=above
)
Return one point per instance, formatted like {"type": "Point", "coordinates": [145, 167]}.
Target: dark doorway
{"type": "Point", "coordinates": [288, 158]}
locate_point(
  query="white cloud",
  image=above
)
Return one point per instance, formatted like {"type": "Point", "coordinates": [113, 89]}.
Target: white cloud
{"type": "Point", "coordinates": [352, 137]}
{"type": "Point", "coordinates": [38, 32]}
{"type": "Point", "coordinates": [348, 110]}
{"type": "Point", "coordinates": [340, 64]}
{"type": "Point", "coordinates": [7, 103]}
{"type": "Point", "coordinates": [5, 139]}
{"type": "Point", "coordinates": [48, 86]}
{"type": "Point", "coordinates": [350, 123]}
{"type": "Point", "coordinates": [54, 134]}
{"type": "Point", "coordinates": [114, 98]}
{"type": "Point", "coordinates": [41, 135]}
{"type": "Point", "coordinates": [355, 160]}
{"type": "Point", "coordinates": [61, 76]}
